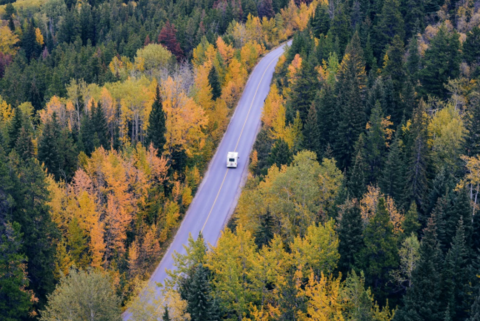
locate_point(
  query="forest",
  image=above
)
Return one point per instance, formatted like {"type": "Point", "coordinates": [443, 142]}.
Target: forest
{"type": "Point", "coordinates": [363, 183]}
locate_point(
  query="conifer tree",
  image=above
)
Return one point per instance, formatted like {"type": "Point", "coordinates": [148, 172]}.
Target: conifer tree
{"type": "Point", "coordinates": [321, 21]}
{"type": "Point", "coordinates": [441, 62]}
{"type": "Point", "coordinates": [87, 134]}
{"type": "Point", "coordinates": [311, 132]}
{"type": "Point", "coordinates": [472, 141]}
{"type": "Point", "coordinates": [100, 125]}
{"type": "Point", "coordinates": [414, 15]}
{"type": "Point", "coordinates": [48, 147]}
{"type": "Point", "coordinates": [214, 83]}
{"type": "Point", "coordinates": [411, 222]}
{"type": "Point", "coordinates": [264, 232]}
{"type": "Point", "coordinates": [304, 89]}
{"type": "Point", "coordinates": [357, 181]}
{"type": "Point", "coordinates": [413, 60]}
{"type": "Point", "coordinates": [380, 254]}
{"type": "Point", "coordinates": [280, 154]}
{"type": "Point", "coordinates": [417, 164]}
{"type": "Point", "coordinates": [14, 128]}
{"type": "Point", "coordinates": [327, 117]}
{"type": "Point", "coordinates": [166, 316]}
{"type": "Point", "coordinates": [24, 145]}
{"type": "Point", "coordinates": [350, 237]}
{"type": "Point", "coordinates": [471, 46]}
{"type": "Point", "coordinates": [422, 300]}
{"type": "Point", "coordinates": [460, 209]}
{"type": "Point", "coordinates": [340, 26]}
{"type": "Point", "coordinates": [351, 98]}
{"type": "Point", "coordinates": [475, 309]}
{"type": "Point", "coordinates": [390, 23]}
{"type": "Point", "coordinates": [156, 125]}
{"type": "Point", "coordinates": [455, 277]}
{"type": "Point", "coordinates": [39, 232]}
{"type": "Point", "coordinates": [395, 68]}
{"type": "Point", "coordinates": [375, 148]}
{"type": "Point", "coordinates": [15, 303]}
{"type": "Point", "coordinates": [198, 296]}
{"type": "Point", "coordinates": [392, 180]}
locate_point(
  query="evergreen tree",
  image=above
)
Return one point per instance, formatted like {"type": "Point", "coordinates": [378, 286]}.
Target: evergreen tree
{"type": "Point", "coordinates": [48, 147]}
{"type": "Point", "coordinates": [39, 232]}
{"type": "Point", "coordinates": [166, 316]}
{"type": "Point", "coordinates": [455, 277]}
{"type": "Point", "coordinates": [380, 254]}
{"type": "Point", "coordinates": [390, 23]}
{"type": "Point", "coordinates": [413, 60]}
{"type": "Point", "coordinates": [340, 26]}
{"type": "Point", "coordinates": [475, 309]}
{"type": "Point", "coordinates": [29, 41]}
{"type": "Point", "coordinates": [321, 21]}
{"type": "Point", "coordinates": [414, 15]}
{"type": "Point", "coordinates": [392, 180]}
{"type": "Point", "coordinates": [459, 209]}
{"type": "Point", "coordinates": [15, 303]}
{"type": "Point", "coordinates": [280, 154]}
{"type": "Point", "coordinates": [411, 222]}
{"type": "Point", "coordinates": [422, 300]}
{"type": "Point", "coordinates": [395, 69]}
{"type": "Point", "coordinates": [375, 148]}
{"type": "Point", "coordinates": [265, 9]}
{"type": "Point", "coordinates": [471, 46]}
{"type": "Point", "coordinates": [311, 132]}
{"type": "Point", "coordinates": [14, 128]}
{"type": "Point", "coordinates": [357, 180]}
{"type": "Point", "coordinates": [214, 83]}
{"type": "Point", "coordinates": [350, 88]}
{"type": "Point", "coordinates": [327, 116]}
{"type": "Point", "coordinates": [264, 232]}
{"type": "Point", "coordinates": [472, 141]}
{"type": "Point", "coordinates": [99, 122]}
{"type": "Point", "coordinates": [441, 62]}
{"type": "Point", "coordinates": [24, 145]}
{"type": "Point", "coordinates": [156, 125]}
{"type": "Point", "coordinates": [304, 89]}
{"type": "Point", "coordinates": [87, 134]}
{"type": "Point", "coordinates": [198, 296]}
{"type": "Point", "coordinates": [416, 172]}
{"type": "Point", "coordinates": [350, 237]}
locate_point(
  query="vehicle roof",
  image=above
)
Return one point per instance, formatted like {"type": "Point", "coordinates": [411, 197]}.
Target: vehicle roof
{"type": "Point", "coordinates": [232, 154]}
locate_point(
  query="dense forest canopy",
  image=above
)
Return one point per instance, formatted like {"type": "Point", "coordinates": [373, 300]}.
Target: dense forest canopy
{"type": "Point", "coordinates": [362, 196]}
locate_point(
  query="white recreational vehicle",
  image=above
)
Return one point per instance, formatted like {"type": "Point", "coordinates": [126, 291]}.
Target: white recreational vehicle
{"type": "Point", "coordinates": [232, 159]}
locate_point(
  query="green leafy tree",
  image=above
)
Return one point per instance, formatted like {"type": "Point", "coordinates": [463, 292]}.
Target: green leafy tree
{"type": "Point", "coordinates": [380, 254]}
{"type": "Point", "coordinates": [156, 125]}
{"type": "Point", "coordinates": [83, 294]}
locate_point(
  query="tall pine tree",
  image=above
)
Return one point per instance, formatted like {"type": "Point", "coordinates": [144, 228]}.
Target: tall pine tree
{"type": "Point", "coordinates": [156, 125]}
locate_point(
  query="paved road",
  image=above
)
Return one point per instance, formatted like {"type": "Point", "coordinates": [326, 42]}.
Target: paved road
{"type": "Point", "coordinates": [218, 193]}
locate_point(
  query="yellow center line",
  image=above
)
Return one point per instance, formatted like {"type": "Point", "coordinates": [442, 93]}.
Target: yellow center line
{"type": "Point", "coordinates": [238, 141]}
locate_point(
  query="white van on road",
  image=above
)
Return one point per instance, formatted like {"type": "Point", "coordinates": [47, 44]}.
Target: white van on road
{"type": "Point", "coordinates": [232, 159]}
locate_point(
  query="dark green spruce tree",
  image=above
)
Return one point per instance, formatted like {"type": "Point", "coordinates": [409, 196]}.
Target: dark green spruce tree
{"type": "Point", "coordinates": [441, 62]}
{"type": "Point", "coordinates": [411, 222]}
{"type": "Point", "coordinates": [327, 116]}
{"type": "Point", "coordinates": [422, 300]}
{"type": "Point", "coordinates": [350, 90]}
{"type": "Point", "coordinates": [471, 47]}
{"type": "Point", "coordinates": [311, 132]}
{"type": "Point", "coordinates": [390, 23]}
{"type": "Point", "coordinates": [156, 125]}
{"type": "Point", "coordinates": [14, 128]}
{"type": "Point", "coordinates": [356, 184]}
{"type": "Point", "coordinates": [304, 89]}
{"type": "Point", "coordinates": [350, 236]}
{"type": "Point", "coordinates": [472, 141]}
{"type": "Point", "coordinates": [321, 21]}
{"type": "Point", "coordinates": [48, 147]}
{"type": "Point", "coordinates": [375, 148]}
{"type": "Point", "coordinates": [99, 121]}
{"type": "Point", "coordinates": [214, 83]}
{"type": "Point", "coordinates": [280, 154]}
{"type": "Point", "coordinates": [380, 254]}
{"type": "Point", "coordinates": [199, 297]}
{"type": "Point", "coordinates": [392, 180]}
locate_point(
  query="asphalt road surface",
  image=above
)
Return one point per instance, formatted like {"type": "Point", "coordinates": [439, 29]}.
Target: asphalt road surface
{"type": "Point", "coordinates": [218, 193]}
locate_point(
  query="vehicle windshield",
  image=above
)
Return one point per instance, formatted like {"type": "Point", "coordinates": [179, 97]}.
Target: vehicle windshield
{"type": "Point", "coordinates": [231, 160]}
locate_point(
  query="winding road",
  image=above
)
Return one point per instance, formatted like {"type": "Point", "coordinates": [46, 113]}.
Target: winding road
{"type": "Point", "coordinates": [218, 193]}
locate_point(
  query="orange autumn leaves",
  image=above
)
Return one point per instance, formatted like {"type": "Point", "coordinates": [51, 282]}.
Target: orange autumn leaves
{"type": "Point", "coordinates": [105, 196]}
